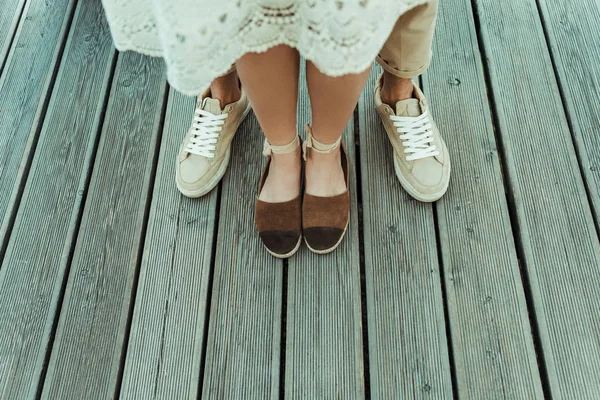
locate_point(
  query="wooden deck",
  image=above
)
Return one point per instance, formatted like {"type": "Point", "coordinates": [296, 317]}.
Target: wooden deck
{"type": "Point", "coordinates": [114, 285]}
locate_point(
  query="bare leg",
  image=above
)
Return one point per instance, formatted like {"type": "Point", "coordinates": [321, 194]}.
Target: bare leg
{"type": "Point", "coordinates": [332, 101]}
{"type": "Point", "coordinates": [395, 89]}
{"type": "Point", "coordinates": [226, 89]}
{"type": "Point", "coordinates": [271, 82]}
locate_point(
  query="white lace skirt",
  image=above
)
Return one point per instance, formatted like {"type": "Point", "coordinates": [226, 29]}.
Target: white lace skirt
{"type": "Point", "coordinates": [201, 39]}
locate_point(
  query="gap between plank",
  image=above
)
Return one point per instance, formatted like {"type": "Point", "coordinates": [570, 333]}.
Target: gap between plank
{"type": "Point", "coordinates": [209, 289]}
{"type": "Point", "coordinates": [512, 208]}
{"type": "Point", "coordinates": [361, 251]}
{"type": "Point", "coordinates": [136, 276]}
{"type": "Point", "coordinates": [13, 37]}
{"type": "Point", "coordinates": [563, 102]}
{"type": "Point", "coordinates": [282, 344]}
{"type": "Point", "coordinates": [449, 341]}
{"type": "Point", "coordinates": [38, 123]}
{"type": "Point", "coordinates": [76, 227]}
{"type": "Point", "coordinates": [438, 242]}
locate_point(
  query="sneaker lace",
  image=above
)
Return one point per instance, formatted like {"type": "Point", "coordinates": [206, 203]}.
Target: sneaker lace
{"type": "Point", "coordinates": [206, 127]}
{"type": "Point", "coordinates": [417, 136]}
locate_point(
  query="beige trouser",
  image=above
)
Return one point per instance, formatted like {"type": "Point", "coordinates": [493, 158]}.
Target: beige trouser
{"type": "Point", "coordinates": [407, 51]}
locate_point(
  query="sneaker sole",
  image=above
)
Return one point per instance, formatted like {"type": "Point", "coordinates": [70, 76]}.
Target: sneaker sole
{"type": "Point", "coordinates": [194, 194]}
{"type": "Point", "coordinates": [414, 193]}
{"type": "Point", "coordinates": [329, 250]}
{"type": "Point", "coordinates": [287, 255]}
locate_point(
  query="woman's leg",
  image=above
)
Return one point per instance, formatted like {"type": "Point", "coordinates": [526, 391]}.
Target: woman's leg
{"type": "Point", "coordinates": [332, 101]}
{"type": "Point", "coordinates": [271, 83]}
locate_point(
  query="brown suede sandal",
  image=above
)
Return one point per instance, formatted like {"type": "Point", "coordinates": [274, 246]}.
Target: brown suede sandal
{"type": "Point", "coordinates": [325, 219]}
{"type": "Point", "coordinates": [279, 224]}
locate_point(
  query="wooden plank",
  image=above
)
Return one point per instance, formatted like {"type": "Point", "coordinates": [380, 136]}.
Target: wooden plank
{"type": "Point", "coordinates": [87, 349]}
{"type": "Point", "coordinates": [494, 354]}
{"type": "Point", "coordinates": [574, 41]}
{"type": "Point", "coordinates": [10, 17]}
{"type": "Point", "coordinates": [244, 332]}
{"type": "Point", "coordinates": [324, 354]}
{"type": "Point", "coordinates": [25, 86]}
{"type": "Point", "coordinates": [561, 252]}
{"type": "Point", "coordinates": [165, 344]}
{"type": "Point", "coordinates": [408, 354]}
{"type": "Point", "coordinates": [32, 273]}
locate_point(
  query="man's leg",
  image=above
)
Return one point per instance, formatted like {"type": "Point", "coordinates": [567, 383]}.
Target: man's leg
{"type": "Point", "coordinates": [226, 88]}
{"type": "Point", "coordinates": [421, 159]}
{"type": "Point", "coordinates": [407, 52]}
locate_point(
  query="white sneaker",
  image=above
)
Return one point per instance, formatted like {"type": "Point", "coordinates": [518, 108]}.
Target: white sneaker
{"type": "Point", "coordinates": [205, 151]}
{"type": "Point", "coordinates": [421, 159]}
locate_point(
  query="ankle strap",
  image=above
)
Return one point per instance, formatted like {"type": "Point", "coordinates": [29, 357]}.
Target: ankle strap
{"type": "Point", "coordinates": [269, 149]}
{"type": "Point", "coordinates": [317, 146]}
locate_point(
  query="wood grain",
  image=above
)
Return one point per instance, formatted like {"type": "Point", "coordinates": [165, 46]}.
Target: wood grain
{"type": "Point", "coordinates": [574, 42]}
{"type": "Point", "coordinates": [87, 350]}
{"type": "Point", "coordinates": [324, 355]}
{"type": "Point", "coordinates": [25, 86]}
{"type": "Point", "coordinates": [9, 19]}
{"type": "Point", "coordinates": [408, 354]}
{"type": "Point", "coordinates": [493, 348]}
{"type": "Point", "coordinates": [560, 246]}
{"type": "Point", "coordinates": [244, 332]}
{"type": "Point", "coordinates": [165, 344]}
{"type": "Point", "coordinates": [32, 272]}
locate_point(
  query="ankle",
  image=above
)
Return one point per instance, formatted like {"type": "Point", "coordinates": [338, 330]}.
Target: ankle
{"type": "Point", "coordinates": [335, 157]}
{"type": "Point", "coordinates": [324, 174]}
{"type": "Point", "coordinates": [226, 89]}
{"type": "Point", "coordinates": [283, 179]}
{"type": "Point", "coordinates": [395, 89]}
{"type": "Point", "coordinates": [286, 161]}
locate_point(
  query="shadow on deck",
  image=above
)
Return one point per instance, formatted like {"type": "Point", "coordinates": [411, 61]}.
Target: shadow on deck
{"type": "Point", "coordinates": [114, 285]}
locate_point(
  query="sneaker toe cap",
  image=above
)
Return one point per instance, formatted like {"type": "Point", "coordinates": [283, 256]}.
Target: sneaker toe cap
{"type": "Point", "coordinates": [195, 173]}
{"type": "Point", "coordinates": [428, 173]}
{"type": "Point", "coordinates": [427, 180]}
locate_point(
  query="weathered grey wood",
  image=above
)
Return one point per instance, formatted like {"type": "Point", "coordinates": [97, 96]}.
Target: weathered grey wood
{"type": "Point", "coordinates": [9, 18]}
{"type": "Point", "coordinates": [560, 245]}
{"type": "Point", "coordinates": [324, 354]}
{"type": "Point", "coordinates": [574, 40]}
{"type": "Point", "coordinates": [24, 89]}
{"type": "Point", "coordinates": [88, 345]}
{"type": "Point", "coordinates": [165, 343]}
{"type": "Point", "coordinates": [244, 333]}
{"type": "Point", "coordinates": [494, 355]}
{"type": "Point", "coordinates": [408, 354]}
{"type": "Point", "coordinates": [32, 272]}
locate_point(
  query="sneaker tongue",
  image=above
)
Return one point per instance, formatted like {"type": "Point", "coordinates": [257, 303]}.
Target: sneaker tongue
{"type": "Point", "coordinates": [408, 108]}
{"type": "Point", "coordinates": [212, 106]}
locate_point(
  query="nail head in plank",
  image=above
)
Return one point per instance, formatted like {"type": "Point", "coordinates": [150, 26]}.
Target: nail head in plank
{"type": "Point", "coordinates": [87, 351]}
{"type": "Point", "coordinates": [165, 343]}
{"type": "Point", "coordinates": [493, 348]}
{"type": "Point", "coordinates": [32, 272]}
{"type": "Point", "coordinates": [557, 233]}
{"type": "Point", "coordinates": [324, 353]}
{"type": "Point", "coordinates": [244, 333]}
{"type": "Point", "coordinates": [408, 351]}
{"type": "Point", "coordinates": [11, 15]}
{"type": "Point", "coordinates": [25, 86]}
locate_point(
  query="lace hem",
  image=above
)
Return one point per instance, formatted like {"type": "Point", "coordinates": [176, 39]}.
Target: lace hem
{"type": "Point", "coordinates": [194, 57]}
